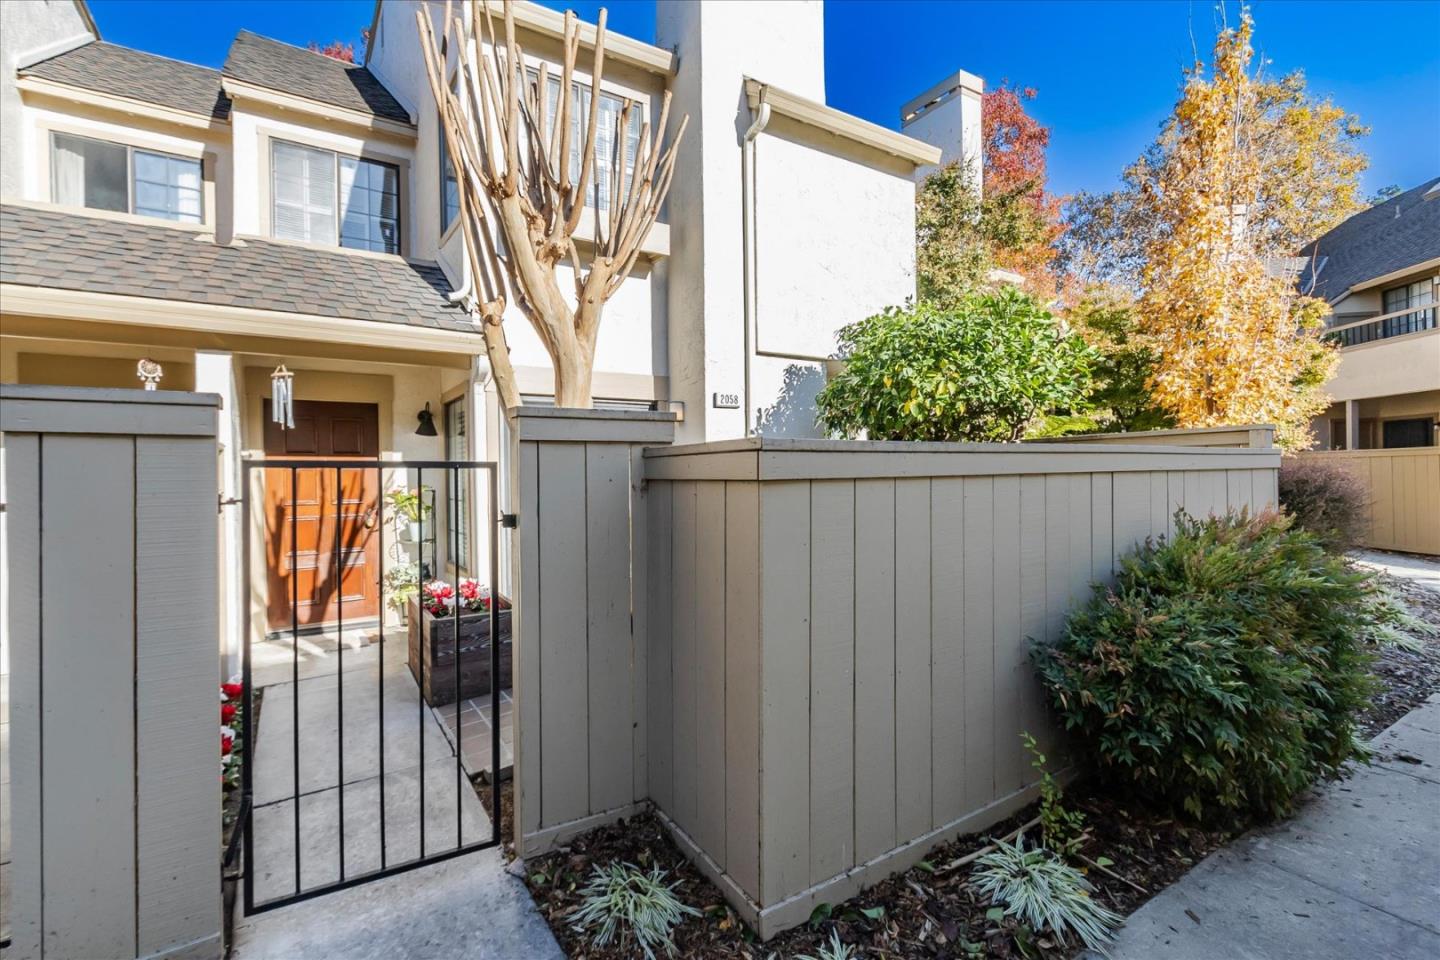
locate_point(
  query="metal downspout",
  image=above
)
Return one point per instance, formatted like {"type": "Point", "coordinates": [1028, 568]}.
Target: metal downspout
{"type": "Point", "coordinates": [747, 201]}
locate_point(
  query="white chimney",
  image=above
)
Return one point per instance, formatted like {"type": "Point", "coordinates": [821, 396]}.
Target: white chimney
{"type": "Point", "coordinates": [948, 116]}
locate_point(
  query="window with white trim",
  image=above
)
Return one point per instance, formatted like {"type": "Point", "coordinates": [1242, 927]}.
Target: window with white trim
{"type": "Point", "coordinates": [101, 175]}
{"type": "Point", "coordinates": [607, 134]}
{"type": "Point", "coordinates": [320, 196]}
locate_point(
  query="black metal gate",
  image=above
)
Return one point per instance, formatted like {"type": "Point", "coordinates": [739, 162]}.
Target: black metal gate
{"type": "Point", "coordinates": [295, 834]}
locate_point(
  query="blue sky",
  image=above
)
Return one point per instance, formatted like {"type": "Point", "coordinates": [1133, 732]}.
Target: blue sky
{"type": "Point", "coordinates": [1107, 72]}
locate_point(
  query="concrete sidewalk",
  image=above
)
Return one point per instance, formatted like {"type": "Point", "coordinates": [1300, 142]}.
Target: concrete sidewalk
{"type": "Point", "coordinates": [1355, 874]}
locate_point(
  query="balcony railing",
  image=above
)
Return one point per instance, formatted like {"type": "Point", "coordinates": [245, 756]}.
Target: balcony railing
{"type": "Point", "coordinates": [1397, 324]}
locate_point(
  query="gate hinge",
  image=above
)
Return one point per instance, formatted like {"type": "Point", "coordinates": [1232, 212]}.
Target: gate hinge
{"type": "Point", "coordinates": [509, 520]}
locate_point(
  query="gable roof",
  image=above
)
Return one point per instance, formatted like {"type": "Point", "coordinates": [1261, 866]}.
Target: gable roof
{"type": "Point", "coordinates": [304, 73]}
{"type": "Point", "coordinates": [1402, 232]}
{"type": "Point", "coordinates": [45, 247]}
{"type": "Point", "coordinates": [124, 72]}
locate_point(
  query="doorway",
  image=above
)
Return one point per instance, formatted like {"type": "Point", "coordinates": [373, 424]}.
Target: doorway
{"type": "Point", "coordinates": [320, 523]}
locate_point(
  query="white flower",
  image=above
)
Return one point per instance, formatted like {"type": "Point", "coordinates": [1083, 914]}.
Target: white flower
{"type": "Point", "coordinates": [225, 760]}
{"type": "Point", "coordinates": [227, 731]}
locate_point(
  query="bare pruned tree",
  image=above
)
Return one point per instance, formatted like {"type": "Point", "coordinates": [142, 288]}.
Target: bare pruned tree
{"type": "Point", "coordinates": [527, 176]}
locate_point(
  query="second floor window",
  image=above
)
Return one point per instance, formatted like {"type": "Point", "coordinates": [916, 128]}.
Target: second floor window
{"type": "Point", "coordinates": [449, 187]}
{"type": "Point", "coordinates": [112, 176]}
{"type": "Point", "coordinates": [323, 197]}
{"type": "Point", "coordinates": [607, 132]}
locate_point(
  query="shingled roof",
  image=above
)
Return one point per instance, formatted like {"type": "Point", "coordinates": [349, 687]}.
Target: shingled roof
{"type": "Point", "coordinates": [1401, 232]}
{"type": "Point", "coordinates": [51, 248]}
{"type": "Point", "coordinates": [279, 66]}
{"type": "Point", "coordinates": [136, 75]}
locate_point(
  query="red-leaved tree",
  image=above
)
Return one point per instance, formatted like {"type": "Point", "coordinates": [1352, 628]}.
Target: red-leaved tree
{"type": "Point", "coordinates": [1014, 145]}
{"type": "Point", "coordinates": [335, 50]}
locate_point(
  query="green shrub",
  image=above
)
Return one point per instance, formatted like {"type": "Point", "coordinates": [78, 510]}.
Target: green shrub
{"type": "Point", "coordinates": [1223, 671]}
{"type": "Point", "coordinates": [981, 368]}
{"type": "Point", "coordinates": [1326, 499]}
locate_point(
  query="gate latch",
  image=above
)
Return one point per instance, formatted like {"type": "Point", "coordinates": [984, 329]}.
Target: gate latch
{"type": "Point", "coordinates": [509, 520]}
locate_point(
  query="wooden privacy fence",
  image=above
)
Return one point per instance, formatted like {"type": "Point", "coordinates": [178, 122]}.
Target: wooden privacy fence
{"type": "Point", "coordinates": [838, 663]}
{"type": "Point", "coordinates": [112, 618]}
{"type": "Point", "coordinates": [811, 656]}
{"type": "Point", "coordinates": [1404, 493]}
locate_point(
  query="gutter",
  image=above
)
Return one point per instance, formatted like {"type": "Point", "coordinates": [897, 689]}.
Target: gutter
{"type": "Point", "coordinates": [747, 205]}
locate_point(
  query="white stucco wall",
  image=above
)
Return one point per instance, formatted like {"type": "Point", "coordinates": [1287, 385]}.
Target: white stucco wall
{"type": "Point", "coordinates": [29, 32]}
{"type": "Point", "coordinates": [834, 222]}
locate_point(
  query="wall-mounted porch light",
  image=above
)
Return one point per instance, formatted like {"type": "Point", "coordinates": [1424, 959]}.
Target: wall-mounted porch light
{"type": "Point", "coordinates": [427, 422]}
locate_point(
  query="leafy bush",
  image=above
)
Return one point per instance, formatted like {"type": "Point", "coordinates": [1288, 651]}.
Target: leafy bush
{"type": "Point", "coordinates": [1223, 670]}
{"type": "Point", "coordinates": [1042, 891]}
{"type": "Point", "coordinates": [1326, 499]}
{"type": "Point", "coordinates": [622, 900]}
{"type": "Point", "coordinates": [981, 368]}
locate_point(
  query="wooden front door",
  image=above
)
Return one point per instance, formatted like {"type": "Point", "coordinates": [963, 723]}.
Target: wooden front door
{"type": "Point", "coordinates": [323, 576]}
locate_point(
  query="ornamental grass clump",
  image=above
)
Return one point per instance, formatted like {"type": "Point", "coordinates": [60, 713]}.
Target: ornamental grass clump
{"type": "Point", "coordinates": [1043, 892]}
{"type": "Point", "coordinates": [1223, 672]}
{"type": "Point", "coordinates": [622, 901]}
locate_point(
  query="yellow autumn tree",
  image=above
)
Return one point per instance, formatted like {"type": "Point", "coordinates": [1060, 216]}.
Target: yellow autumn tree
{"type": "Point", "coordinates": [1234, 342]}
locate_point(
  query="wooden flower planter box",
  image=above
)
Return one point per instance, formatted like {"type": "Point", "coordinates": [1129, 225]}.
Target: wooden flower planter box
{"type": "Point", "coordinates": [433, 639]}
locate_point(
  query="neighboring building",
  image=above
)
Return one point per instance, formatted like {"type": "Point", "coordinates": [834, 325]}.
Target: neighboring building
{"type": "Point", "coordinates": [291, 210]}
{"type": "Point", "coordinates": [1380, 273]}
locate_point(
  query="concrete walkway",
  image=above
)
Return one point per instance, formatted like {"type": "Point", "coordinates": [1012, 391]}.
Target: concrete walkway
{"type": "Point", "coordinates": [1355, 874]}
{"type": "Point", "coordinates": [467, 906]}
{"type": "Point", "coordinates": [1425, 573]}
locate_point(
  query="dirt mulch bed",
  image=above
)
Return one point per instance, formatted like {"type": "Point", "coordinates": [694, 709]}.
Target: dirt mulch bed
{"type": "Point", "coordinates": [927, 912]}
{"type": "Point", "coordinates": [1407, 677]}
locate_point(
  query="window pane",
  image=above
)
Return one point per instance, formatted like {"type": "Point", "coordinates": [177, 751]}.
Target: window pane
{"type": "Point", "coordinates": [89, 173]}
{"type": "Point", "coordinates": [369, 202]}
{"type": "Point", "coordinates": [450, 190]}
{"type": "Point", "coordinates": [302, 193]}
{"type": "Point", "coordinates": [157, 186]}
{"type": "Point", "coordinates": [458, 516]}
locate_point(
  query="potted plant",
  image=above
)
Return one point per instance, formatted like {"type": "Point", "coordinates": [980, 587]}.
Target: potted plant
{"type": "Point", "coordinates": [434, 658]}
{"type": "Point", "coordinates": [402, 582]}
{"type": "Point", "coordinates": [409, 508]}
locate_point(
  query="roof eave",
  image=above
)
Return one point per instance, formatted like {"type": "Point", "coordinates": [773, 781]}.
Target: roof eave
{"type": "Point", "coordinates": [245, 90]}
{"type": "Point", "coordinates": [44, 86]}
{"type": "Point", "coordinates": [840, 124]}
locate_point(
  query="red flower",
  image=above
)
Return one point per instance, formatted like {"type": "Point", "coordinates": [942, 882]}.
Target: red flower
{"type": "Point", "coordinates": [227, 712]}
{"type": "Point", "coordinates": [231, 690]}
{"type": "Point", "coordinates": [225, 745]}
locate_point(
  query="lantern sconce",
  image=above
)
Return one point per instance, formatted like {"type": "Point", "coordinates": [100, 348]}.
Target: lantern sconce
{"type": "Point", "coordinates": [282, 397]}
{"type": "Point", "coordinates": [427, 422]}
{"type": "Point", "coordinates": [149, 373]}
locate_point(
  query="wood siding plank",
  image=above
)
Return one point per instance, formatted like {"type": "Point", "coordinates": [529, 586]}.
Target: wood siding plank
{"type": "Point", "coordinates": [639, 588]}
{"type": "Point", "coordinates": [710, 613]}
{"type": "Point", "coordinates": [785, 689]}
{"type": "Point", "coordinates": [564, 704]}
{"type": "Point", "coordinates": [1102, 527]}
{"type": "Point", "coordinates": [176, 549]}
{"type": "Point", "coordinates": [832, 678]}
{"type": "Point", "coordinates": [978, 781]}
{"type": "Point", "coordinates": [742, 684]}
{"type": "Point", "coordinates": [1012, 648]}
{"type": "Point", "coordinates": [947, 606]}
{"type": "Point", "coordinates": [88, 643]}
{"type": "Point", "coordinates": [528, 627]}
{"type": "Point", "coordinates": [914, 804]}
{"type": "Point", "coordinates": [610, 646]}
{"type": "Point", "coordinates": [1034, 533]}
{"type": "Point", "coordinates": [684, 584]}
{"type": "Point", "coordinates": [660, 723]}
{"type": "Point", "coordinates": [875, 614]}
